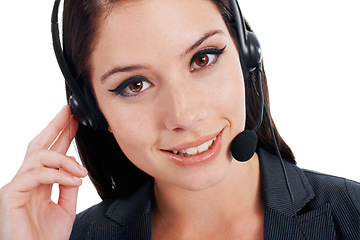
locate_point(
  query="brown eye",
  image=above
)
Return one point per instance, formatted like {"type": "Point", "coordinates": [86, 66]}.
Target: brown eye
{"type": "Point", "coordinates": [136, 86]}
{"type": "Point", "coordinates": [205, 58]}
{"type": "Point", "coordinates": [133, 86]}
{"type": "Point", "coordinates": [202, 60]}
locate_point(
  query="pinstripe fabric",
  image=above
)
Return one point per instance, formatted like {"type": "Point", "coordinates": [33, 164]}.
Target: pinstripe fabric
{"type": "Point", "coordinates": [327, 207]}
{"type": "Point", "coordinates": [111, 219]}
{"type": "Point", "coordinates": [317, 225]}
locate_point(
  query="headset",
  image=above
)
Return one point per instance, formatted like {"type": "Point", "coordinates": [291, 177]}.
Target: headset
{"type": "Point", "coordinates": [85, 109]}
{"type": "Point", "coordinates": [81, 101]}
{"type": "Point", "coordinates": [243, 147]}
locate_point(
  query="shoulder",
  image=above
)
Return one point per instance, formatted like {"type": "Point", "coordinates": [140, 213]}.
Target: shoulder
{"type": "Point", "coordinates": [97, 211]}
{"type": "Point", "coordinates": [89, 219]}
{"type": "Point", "coordinates": [121, 218]}
{"type": "Point", "coordinates": [334, 189]}
{"type": "Point", "coordinates": [342, 196]}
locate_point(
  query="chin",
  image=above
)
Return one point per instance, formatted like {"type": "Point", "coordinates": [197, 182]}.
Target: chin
{"type": "Point", "coordinates": [207, 176]}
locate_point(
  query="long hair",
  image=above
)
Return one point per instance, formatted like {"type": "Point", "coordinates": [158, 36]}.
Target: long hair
{"type": "Point", "coordinates": [111, 172]}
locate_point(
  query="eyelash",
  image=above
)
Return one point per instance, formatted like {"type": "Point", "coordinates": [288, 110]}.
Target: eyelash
{"type": "Point", "coordinates": [215, 52]}
{"type": "Point", "coordinates": [124, 88]}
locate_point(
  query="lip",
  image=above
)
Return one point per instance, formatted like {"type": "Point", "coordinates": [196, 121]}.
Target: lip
{"type": "Point", "coordinates": [200, 159]}
{"type": "Point", "coordinates": [196, 143]}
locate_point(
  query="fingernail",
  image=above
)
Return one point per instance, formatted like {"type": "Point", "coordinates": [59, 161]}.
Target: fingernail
{"type": "Point", "coordinates": [76, 179]}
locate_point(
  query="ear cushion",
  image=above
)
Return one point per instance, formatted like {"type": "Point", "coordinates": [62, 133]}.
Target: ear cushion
{"type": "Point", "coordinates": [250, 54]}
{"type": "Point", "coordinates": [253, 54]}
{"type": "Point", "coordinates": [86, 111]}
{"type": "Point", "coordinates": [249, 46]}
{"type": "Point", "coordinates": [97, 118]}
{"type": "Point", "coordinates": [80, 111]}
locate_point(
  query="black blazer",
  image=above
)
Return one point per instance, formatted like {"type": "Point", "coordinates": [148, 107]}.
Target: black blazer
{"type": "Point", "coordinates": [328, 208]}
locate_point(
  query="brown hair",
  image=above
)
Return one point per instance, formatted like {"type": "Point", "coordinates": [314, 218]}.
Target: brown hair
{"type": "Point", "coordinates": [109, 169]}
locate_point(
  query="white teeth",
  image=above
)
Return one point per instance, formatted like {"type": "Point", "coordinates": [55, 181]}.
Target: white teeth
{"type": "Point", "coordinates": [191, 151]}
{"type": "Point", "coordinates": [195, 150]}
{"type": "Point", "coordinates": [205, 146]}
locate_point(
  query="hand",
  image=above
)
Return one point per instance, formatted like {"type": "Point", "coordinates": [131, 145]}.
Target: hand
{"type": "Point", "coordinates": [26, 209]}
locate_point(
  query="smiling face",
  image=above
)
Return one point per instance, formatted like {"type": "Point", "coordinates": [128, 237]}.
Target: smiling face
{"type": "Point", "coordinates": [167, 77]}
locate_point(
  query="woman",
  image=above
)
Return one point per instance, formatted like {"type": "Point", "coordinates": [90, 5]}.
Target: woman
{"type": "Point", "coordinates": [173, 103]}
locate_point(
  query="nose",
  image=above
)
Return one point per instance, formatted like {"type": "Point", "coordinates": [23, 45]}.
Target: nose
{"type": "Point", "coordinates": [183, 107]}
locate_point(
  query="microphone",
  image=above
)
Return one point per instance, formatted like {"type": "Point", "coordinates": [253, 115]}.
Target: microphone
{"type": "Point", "coordinates": [244, 145]}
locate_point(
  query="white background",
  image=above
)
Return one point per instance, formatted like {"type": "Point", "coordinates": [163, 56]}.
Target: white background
{"type": "Point", "coordinates": [310, 47]}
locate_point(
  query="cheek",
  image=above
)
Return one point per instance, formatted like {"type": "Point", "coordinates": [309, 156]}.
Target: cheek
{"type": "Point", "coordinates": [230, 97]}
{"type": "Point", "coordinates": [134, 138]}
{"type": "Point", "coordinates": [133, 125]}
{"type": "Point", "coordinates": [130, 126]}
{"type": "Point", "coordinates": [133, 128]}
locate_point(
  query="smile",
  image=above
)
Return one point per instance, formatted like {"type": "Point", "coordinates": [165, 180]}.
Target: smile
{"type": "Point", "coordinates": [195, 150]}
{"type": "Point", "coordinates": [197, 154]}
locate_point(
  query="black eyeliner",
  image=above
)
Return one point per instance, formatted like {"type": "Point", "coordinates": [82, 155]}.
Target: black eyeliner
{"type": "Point", "coordinates": [215, 51]}
{"type": "Point", "coordinates": [119, 90]}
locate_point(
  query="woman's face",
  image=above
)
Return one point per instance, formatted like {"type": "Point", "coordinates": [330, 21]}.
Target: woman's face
{"type": "Point", "coordinates": [167, 77]}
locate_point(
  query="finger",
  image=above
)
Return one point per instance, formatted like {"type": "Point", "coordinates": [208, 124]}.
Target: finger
{"type": "Point", "coordinates": [54, 160]}
{"type": "Point", "coordinates": [68, 199]}
{"type": "Point", "coordinates": [44, 191]}
{"type": "Point", "coordinates": [42, 175]}
{"type": "Point", "coordinates": [48, 135]}
{"type": "Point", "coordinates": [63, 142]}
{"type": "Point", "coordinates": [65, 163]}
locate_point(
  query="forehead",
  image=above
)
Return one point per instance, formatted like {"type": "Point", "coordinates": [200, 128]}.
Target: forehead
{"type": "Point", "coordinates": [149, 22]}
{"type": "Point", "coordinates": [148, 31]}
{"type": "Point", "coordinates": [139, 9]}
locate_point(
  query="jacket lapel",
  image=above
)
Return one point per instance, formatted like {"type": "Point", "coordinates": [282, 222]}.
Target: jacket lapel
{"type": "Point", "coordinates": [279, 222]}
{"type": "Point", "coordinates": [133, 216]}
{"type": "Point", "coordinates": [316, 224]}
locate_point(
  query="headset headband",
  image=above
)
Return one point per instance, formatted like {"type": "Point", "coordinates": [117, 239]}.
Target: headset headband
{"type": "Point", "coordinates": [89, 115]}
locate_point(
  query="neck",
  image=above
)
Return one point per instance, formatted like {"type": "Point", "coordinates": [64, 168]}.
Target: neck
{"type": "Point", "coordinates": [237, 198]}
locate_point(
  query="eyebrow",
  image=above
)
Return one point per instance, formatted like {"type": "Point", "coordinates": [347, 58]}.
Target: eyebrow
{"type": "Point", "coordinates": [122, 69]}
{"type": "Point", "coordinates": [136, 67]}
{"type": "Point", "coordinates": [203, 39]}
